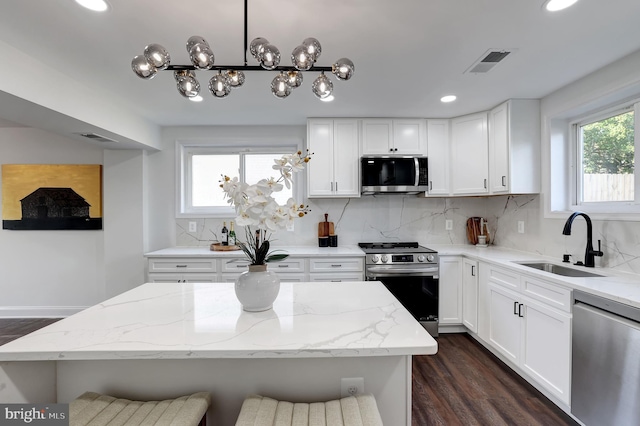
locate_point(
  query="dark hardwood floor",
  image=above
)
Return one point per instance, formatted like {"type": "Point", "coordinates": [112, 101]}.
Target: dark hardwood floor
{"type": "Point", "coordinates": [463, 384]}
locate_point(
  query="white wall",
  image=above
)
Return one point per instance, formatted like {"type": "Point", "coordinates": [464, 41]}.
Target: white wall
{"type": "Point", "coordinates": [53, 273]}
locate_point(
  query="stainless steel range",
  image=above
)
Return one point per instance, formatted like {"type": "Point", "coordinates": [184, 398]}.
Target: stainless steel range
{"type": "Point", "coordinates": [411, 273]}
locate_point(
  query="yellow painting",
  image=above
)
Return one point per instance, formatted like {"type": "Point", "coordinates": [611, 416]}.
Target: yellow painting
{"type": "Point", "coordinates": [51, 196]}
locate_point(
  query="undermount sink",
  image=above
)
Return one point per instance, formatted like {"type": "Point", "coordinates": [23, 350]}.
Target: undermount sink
{"type": "Point", "coordinates": [558, 269]}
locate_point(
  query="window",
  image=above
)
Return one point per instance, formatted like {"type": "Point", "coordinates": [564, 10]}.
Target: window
{"type": "Point", "coordinates": [605, 160]}
{"type": "Point", "coordinates": [202, 167]}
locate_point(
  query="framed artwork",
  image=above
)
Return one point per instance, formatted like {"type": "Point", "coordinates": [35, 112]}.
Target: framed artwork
{"type": "Point", "coordinates": [51, 196]}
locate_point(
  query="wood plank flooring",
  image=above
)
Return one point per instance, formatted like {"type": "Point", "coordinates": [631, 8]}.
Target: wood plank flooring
{"type": "Point", "coordinates": [464, 384]}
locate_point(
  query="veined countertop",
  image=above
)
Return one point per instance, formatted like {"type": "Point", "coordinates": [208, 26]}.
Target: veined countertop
{"type": "Point", "coordinates": [196, 321]}
{"type": "Point", "coordinates": [292, 251]}
{"type": "Point", "coordinates": [614, 285]}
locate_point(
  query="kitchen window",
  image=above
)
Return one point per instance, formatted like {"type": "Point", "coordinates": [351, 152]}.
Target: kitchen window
{"type": "Point", "coordinates": [202, 166]}
{"type": "Point", "coordinates": [605, 148]}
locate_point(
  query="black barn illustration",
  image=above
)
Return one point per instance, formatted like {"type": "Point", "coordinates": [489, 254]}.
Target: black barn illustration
{"type": "Point", "coordinates": [54, 203]}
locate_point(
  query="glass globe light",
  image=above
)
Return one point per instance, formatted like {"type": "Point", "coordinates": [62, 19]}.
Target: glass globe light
{"type": "Point", "coordinates": [219, 85]}
{"type": "Point", "coordinates": [193, 40]}
{"type": "Point", "coordinates": [280, 86]}
{"type": "Point", "coordinates": [343, 69]}
{"type": "Point", "coordinates": [143, 68]}
{"type": "Point", "coordinates": [270, 57]}
{"type": "Point", "coordinates": [314, 49]}
{"type": "Point", "coordinates": [236, 78]}
{"type": "Point", "coordinates": [301, 59]}
{"type": "Point", "coordinates": [187, 84]}
{"type": "Point", "coordinates": [322, 86]}
{"type": "Point", "coordinates": [294, 79]}
{"type": "Point", "coordinates": [201, 56]}
{"type": "Point", "coordinates": [157, 56]}
{"type": "Point", "coordinates": [256, 47]}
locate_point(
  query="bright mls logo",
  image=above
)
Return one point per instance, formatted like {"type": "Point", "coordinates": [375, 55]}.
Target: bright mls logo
{"type": "Point", "coordinates": [34, 414]}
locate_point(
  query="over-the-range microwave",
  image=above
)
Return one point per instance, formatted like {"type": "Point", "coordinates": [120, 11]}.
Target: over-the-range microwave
{"type": "Point", "coordinates": [394, 174]}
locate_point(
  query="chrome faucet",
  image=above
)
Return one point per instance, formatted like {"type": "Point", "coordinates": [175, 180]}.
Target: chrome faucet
{"type": "Point", "coordinates": [589, 254]}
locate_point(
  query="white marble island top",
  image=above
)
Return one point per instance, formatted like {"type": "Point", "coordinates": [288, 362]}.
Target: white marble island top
{"type": "Point", "coordinates": [197, 321]}
{"type": "Point", "coordinates": [293, 251]}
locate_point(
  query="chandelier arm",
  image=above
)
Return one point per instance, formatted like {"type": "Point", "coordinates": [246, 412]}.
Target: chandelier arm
{"type": "Point", "coordinates": [244, 68]}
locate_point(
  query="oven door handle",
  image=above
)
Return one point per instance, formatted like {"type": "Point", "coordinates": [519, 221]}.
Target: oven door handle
{"type": "Point", "coordinates": [414, 272]}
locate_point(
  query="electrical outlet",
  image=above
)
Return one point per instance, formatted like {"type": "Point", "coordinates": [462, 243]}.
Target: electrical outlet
{"type": "Point", "coordinates": [193, 226]}
{"type": "Point", "coordinates": [521, 226]}
{"type": "Point", "coordinates": [448, 225]}
{"type": "Point", "coordinates": [351, 386]}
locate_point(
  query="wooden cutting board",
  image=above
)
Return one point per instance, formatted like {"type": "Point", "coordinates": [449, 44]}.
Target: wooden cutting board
{"type": "Point", "coordinates": [326, 228]}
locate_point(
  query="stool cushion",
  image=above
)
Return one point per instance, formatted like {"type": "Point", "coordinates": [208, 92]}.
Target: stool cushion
{"type": "Point", "coordinates": [95, 409]}
{"type": "Point", "coordinates": [360, 410]}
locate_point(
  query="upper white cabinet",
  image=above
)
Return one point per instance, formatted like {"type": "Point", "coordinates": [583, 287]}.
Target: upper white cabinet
{"type": "Point", "coordinates": [394, 136]}
{"type": "Point", "coordinates": [469, 155]}
{"type": "Point", "coordinates": [514, 147]}
{"type": "Point", "coordinates": [438, 152]}
{"type": "Point", "coordinates": [334, 170]}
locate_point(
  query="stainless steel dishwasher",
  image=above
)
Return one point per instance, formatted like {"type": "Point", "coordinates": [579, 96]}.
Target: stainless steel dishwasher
{"type": "Point", "coordinates": [605, 379]}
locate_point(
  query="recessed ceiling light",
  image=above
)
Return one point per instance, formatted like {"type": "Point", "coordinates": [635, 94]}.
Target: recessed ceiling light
{"type": "Point", "coordinates": [95, 5]}
{"type": "Point", "coordinates": [197, 98]}
{"type": "Point", "coordinates": [328, 98]}
{"type": "Point", "coordinates": [555, 5]}
{"type": "Point", "coordinates": [448, 98]}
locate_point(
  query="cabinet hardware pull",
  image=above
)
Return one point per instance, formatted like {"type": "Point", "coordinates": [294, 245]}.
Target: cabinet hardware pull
{"type": "Point", "coordinates": [520, 311]}
{"type": "Point", "coordinates": [515, 308]}
{"type": "Point", "coordinates": [485, 184]}
{"type": "Point", "coordinates": [283, 266]}
{"type": "Point", "coordinates": [181, 266]}
{"type": "Point", "coordinates": [504, 181]}
{"type": "Point", "coordinates": [336, 281]}
{"type": "Point", "coordinates": [473, 270]}
{"type": "Point", "coordinates": [331, 186]}
{"type": "Point", "coordinates": [336, 266]}
{"type": "Point", "coordinates": [336, 186]}
{"type": "Point", "coordinates": [430, 185]}
{"type": "Point", "coordinates": [241, 266]}
{"type": "Point", "coordinates": [390, 149]}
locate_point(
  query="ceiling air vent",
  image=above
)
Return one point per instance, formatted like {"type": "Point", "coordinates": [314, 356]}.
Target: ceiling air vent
{"type": "Point", "coordinates": [96, 137]}
{"type": "Point", "coordinates": [488, 61]}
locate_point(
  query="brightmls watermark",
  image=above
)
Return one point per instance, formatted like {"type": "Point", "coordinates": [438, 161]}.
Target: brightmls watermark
{"type": "Point", "coordinates": [34, 414]}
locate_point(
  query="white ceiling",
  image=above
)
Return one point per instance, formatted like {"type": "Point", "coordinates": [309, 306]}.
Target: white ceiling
{"type": "Point", "coordinates": [407, 53]}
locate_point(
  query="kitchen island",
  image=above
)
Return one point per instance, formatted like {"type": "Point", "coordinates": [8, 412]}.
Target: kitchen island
{"type": "Point", "coordinates": [163, 340]}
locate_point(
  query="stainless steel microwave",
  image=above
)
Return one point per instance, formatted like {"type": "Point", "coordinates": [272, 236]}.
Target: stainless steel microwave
{"type": "Point", "coordinates": [394, 174]}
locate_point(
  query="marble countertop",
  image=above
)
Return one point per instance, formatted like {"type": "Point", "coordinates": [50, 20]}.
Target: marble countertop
{"type": "Point", "coordinates": [197, 320]}
{"type": "Point", "coordinates": [292, 251]}
{"type": "Point", "coordinates": [614, 285]}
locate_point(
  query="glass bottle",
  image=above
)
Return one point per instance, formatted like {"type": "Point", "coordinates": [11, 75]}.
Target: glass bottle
{"type": "Point", "coordinates": [225, 235]}
{"type": "Point", "coordinates": [232, 235]}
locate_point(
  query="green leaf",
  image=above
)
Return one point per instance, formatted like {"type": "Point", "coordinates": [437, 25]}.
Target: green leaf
{"type": "Point", "coordinates": [276, 257]}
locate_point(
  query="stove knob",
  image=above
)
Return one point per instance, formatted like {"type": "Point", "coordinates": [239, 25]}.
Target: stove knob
{"type": "Point", "coordinates": [431, 258]}
{"type": "Point", "coordinates": [385, 258]}
{"type": "Point", "coordinates": [375, 258]}
{"type": "Point", "coordinates": [421, 258]}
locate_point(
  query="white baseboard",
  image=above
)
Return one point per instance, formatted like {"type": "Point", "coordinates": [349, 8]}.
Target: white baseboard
{"type": "Point", "coordinates": [39, 311]}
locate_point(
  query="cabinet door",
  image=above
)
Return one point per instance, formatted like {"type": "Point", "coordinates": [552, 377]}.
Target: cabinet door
{"type": "Point", "coordinates": [546, 348]}
{"type": "Point", "coordinates": [337, 277]}
{"type": "Point", "coordinates": [469, 154]}
{"type": "Point", "coordinates": [470, 294]}
{"type": "Point", "coordinates": [438, 153]}
{"type": "Point", "coordinates": [409, 137]}
{"type": "Point", "coordinates": [504, 324]}
{"type": "Point", "coordinates": [320, 168]}
{"type": "Point", "coordinates": [450, 291]}
{"type": "Point", "coordinates": [499, 149]}
{"type": "Point", "coordinates": [346, 158]}
{"type": "Point", "coordinates": [377, 136]}
{"type": "Point", "coordinates": [165, 278]}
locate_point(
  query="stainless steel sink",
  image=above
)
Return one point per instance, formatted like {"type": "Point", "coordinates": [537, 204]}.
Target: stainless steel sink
{"type": "Point", "coordinates": [558, 269]}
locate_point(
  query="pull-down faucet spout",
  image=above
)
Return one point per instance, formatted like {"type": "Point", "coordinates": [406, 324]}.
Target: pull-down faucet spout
{"type": "Point", "coordinates": [589, 254]}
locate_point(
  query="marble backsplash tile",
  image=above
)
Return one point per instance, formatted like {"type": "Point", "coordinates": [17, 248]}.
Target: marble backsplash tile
{"type": "Point", "coordinates": [409, 218]}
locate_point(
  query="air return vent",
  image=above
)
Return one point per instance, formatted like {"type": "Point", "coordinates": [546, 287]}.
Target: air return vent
{"type": "Point", "coordinates": [489, 60]}
{"type": "Point", "coordinates": [96, 137]}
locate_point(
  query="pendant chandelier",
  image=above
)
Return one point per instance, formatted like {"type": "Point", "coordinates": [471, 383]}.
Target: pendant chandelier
{"type": "Point", "coordinates": [156, 58]}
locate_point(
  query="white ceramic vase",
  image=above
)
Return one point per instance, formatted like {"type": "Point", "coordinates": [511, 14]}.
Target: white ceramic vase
{"type": "Point", "coordinates": [257, 288]}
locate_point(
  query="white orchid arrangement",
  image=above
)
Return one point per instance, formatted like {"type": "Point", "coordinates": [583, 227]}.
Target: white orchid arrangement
{"type": "Point", "coordinates": [257, 208]}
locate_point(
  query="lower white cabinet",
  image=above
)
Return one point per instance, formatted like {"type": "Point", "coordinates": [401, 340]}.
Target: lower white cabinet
{"type": "Point", "coordinates": [470, 294]}
{"type": "Point", "coordinates": [193, 277]}
{"type": "Point", "coordinates": [450, 290]}
{"type": "Point", "coordinates": [533, 335]}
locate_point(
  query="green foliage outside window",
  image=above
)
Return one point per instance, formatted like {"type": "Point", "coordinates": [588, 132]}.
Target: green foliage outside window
{"type": "Point", "coordinates": [608, 145]}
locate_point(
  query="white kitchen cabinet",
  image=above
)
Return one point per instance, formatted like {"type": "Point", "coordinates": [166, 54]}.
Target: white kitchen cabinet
{"type": "Point", "coordinates": [336, 269]}
{"type": "Point", "coordinates": [470, 294]}
{"type": "Point", "coordinates": [504, 327]}
{"type": "Point", "coordinates": [450, 291]}
{"type": "Point", "coordinates": [469, 155]}
{"type": "Point", "coordinates": [438, 153]}
{"type": "Point", "coordinates": [514, 147]}
{"type": "Point", "coordinates": [394, 136]}
{"type": "Point", "coordinates": [194, 277]}
{"type": "Point", "coordinates": [334, 169]}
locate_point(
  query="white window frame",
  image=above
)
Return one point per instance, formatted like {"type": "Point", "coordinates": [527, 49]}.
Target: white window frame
{"type": "Point", "coordinates": [612, 207]}
{"type": "Point", "coordinates": [185, 149]}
